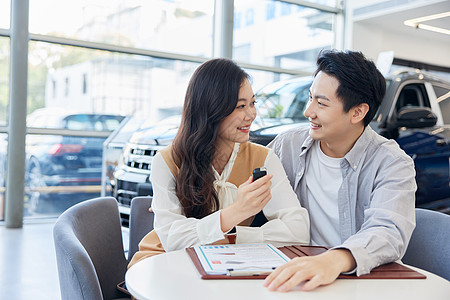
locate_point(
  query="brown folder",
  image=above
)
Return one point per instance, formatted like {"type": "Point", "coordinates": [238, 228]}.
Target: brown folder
{"type": "Point", "coordinates": [388, 271]}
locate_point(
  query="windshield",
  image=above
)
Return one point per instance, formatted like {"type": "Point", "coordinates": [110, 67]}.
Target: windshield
{"type": "Point", "coordinates": [285, 100]}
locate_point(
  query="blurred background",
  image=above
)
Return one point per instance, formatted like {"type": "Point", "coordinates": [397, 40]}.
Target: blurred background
{"type": "Point", "coordinates": [101, 70]}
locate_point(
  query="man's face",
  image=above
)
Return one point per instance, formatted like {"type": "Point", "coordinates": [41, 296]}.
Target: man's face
{"type": "Point", "coordinates": [328, 121]}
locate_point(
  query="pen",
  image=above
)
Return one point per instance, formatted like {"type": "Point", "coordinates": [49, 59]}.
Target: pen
{"type": "Point", "coordinates": [231, 272]}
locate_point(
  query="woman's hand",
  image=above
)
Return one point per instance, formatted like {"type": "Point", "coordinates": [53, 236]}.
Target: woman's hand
{"type": "Point", "coordinates": [251, 199]}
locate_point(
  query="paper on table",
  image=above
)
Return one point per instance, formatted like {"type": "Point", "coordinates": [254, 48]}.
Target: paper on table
{"type": "Point", "coordinates": [240, 259]}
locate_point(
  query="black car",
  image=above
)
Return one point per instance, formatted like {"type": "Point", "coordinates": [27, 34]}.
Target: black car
{"type": "Point", "coordinates": [64, 167]}
{"type": "Point", "coordinates": [415, 112]}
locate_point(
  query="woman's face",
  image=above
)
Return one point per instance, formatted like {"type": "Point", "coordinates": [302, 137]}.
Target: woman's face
{"type": "Point", "coordinates": [235, 127]}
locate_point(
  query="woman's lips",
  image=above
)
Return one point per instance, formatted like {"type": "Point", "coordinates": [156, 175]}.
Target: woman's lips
{"type": "Point", "coordinates": [244, 129]}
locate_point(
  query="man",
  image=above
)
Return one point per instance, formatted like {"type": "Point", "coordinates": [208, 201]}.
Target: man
{"type": "Point", "coordinates": [357, 186]}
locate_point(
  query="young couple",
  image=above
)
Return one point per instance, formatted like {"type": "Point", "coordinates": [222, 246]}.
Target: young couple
{"type": "Point", "coordinates": [335, 183]}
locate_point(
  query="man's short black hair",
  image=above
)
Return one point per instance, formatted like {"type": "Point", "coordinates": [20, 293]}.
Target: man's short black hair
{"type": "Point", "coordinates": [359, 79]}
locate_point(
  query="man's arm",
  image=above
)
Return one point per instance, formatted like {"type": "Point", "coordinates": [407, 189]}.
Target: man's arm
{"type": "Point", "coordinates": [383, 237]}
{"type": "Point", "coordinates": [389, 218]}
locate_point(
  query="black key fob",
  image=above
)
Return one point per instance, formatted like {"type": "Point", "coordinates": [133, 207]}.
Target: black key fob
{"type": "Point", "coordinates": [259, 172]}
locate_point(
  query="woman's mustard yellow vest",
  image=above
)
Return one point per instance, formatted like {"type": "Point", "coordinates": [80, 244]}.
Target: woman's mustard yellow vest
{"type": "Point", "coordinates": [249, 157]}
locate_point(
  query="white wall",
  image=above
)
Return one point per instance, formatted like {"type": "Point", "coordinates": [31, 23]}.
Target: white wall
{"type": "Point", "coordinates": [371, 40]}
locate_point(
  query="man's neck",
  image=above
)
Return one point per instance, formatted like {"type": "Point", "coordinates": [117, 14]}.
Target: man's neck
{"type": "Point", "coordinates": [339, 148]}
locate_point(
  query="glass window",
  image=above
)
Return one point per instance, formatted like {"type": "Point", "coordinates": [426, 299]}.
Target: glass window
{"type": "Point", "coordinates": [237, 20]}
{"type": "Point", "coordinates": [412, 95]}
{"type": "Point", "coordinates": [174, 26]}
{"type": "Point", "coordinates": [260, 79]}
{"type": "Point", "coordinates": [118, 84]}
{"type": "Point", "coordinates": [60, 171]}
{"type": "Point", "coordinates": [109, 123]}
{"type": "Point", "coordinates": [282, 35]}
{"type": "Point", "coordinates": [78, 122]}
{"type": "Point", "coordinates": [285, 9]}
{"type": "Point", "coordinates": [3, 151]}
{"type": "Point", "coordinates": [270, 10]}
{"type": "Point", "coordinates": [286, 99]}
{"type": "Point", "coordinates": [4, 80]}
{"type": "Point", "coordinates": [4, 14]}
{"type": "Point", "coordinates": [63, 170]}
{"type": "Point", "coordinates": [443, 99]}
{"type": "Point", "coordinates": [102, 88]}
{"type": "Point", "coordinates": [250, 17]}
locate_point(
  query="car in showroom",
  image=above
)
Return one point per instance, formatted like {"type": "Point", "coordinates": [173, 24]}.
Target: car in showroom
{"type": "Point", "coordinates": [62, 170]}
{"type": "Point", "coordinates": [415, 112]}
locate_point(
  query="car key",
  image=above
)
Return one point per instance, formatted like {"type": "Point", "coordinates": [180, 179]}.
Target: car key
{"type": "Point", "coordinates": [259, 172]}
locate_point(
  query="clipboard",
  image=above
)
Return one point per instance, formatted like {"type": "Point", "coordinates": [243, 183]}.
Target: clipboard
{"type": "Point", "coordinates": [388, 271]}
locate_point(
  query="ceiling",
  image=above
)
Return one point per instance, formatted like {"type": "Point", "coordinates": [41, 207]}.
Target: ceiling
{"type": "Point", "coordinates": [392, 19]}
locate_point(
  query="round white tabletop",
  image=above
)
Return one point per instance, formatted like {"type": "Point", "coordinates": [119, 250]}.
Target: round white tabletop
{"type": "Point", "coordinates": [173, 276]}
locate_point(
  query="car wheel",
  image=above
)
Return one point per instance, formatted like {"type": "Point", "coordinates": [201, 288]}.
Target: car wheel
{"type": "Point", "coordinates": [35, 184]}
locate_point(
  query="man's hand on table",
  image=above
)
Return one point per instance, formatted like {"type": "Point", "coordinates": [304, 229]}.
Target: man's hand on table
{"type": "Point", "coordinates": [316, 270]}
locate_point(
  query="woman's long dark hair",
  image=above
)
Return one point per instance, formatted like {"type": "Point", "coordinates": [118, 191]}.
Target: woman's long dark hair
{"type": "Point", "coordinates": [212, 94]}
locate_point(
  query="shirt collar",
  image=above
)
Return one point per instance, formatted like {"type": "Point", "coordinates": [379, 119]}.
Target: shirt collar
{"type": "Point", "coordinates": [307, 143]}
{"type": "Point", "coordinates": [355, 154]}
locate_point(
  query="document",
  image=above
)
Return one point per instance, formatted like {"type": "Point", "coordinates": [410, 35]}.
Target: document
{"type": "Point", "coordinates": [256, 261]}
{"type": "Point", "coordinates": [240, 259]}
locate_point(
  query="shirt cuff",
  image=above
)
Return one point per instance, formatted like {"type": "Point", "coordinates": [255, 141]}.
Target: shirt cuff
{"type": "Point", "coordinates": [249, 235]}
{"type": "Point", "coordinates": [209, 229]}
{"type": "Point", "coordinates": [358, 254]}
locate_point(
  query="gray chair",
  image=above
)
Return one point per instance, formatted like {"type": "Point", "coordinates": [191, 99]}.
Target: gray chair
{"type": "Point", "coordinates": [89, 250]}
{"type": "Point", "coordinates": [141, 222]}
{"type": "Point", "coordinates": [429, 248]}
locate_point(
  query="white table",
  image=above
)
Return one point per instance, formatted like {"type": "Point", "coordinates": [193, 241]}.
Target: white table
{"type": "Point", "coordinates": [173, 276]}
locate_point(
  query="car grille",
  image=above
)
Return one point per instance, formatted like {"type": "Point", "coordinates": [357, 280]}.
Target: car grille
{"type": "Point", "coordinates": [124, 192]}
{"type": "Point", "coordinates": [138, 165]}
{"type": "Point", "coordinates": [145, 152]}
{"type": "Point", "coordinates": [125, 199]}
{"type": "Point", "coordinates": [140, 159]}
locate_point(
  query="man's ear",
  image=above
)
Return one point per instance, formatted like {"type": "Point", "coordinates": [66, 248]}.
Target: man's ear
{"type": "Point", "coordinates": [359, 112]}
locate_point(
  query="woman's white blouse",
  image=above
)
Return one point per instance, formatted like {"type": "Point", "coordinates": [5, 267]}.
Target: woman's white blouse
{"type": "Point", "coordinates": [288, 221]}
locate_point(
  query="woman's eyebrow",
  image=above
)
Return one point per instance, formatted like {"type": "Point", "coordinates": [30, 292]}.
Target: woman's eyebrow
{"type": "Point", "coordinates": [244, 99]}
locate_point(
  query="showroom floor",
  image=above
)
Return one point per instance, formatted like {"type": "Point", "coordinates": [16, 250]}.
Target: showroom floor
{"type": "Point", "coordinates": [27, 262]}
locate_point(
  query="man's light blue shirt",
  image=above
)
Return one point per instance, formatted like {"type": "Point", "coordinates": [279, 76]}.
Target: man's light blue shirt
{"type": "Point", "coordinates": [376, 199]}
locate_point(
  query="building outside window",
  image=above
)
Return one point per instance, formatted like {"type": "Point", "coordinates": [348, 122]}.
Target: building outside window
{"type": "Point", "coordinates": [141, 56]}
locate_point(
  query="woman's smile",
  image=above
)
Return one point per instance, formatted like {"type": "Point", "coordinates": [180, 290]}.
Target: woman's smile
{"type": "Point", "coordinates": [245, 129]}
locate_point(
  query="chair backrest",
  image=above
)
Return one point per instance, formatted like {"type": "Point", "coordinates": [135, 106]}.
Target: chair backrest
{"type": "Point", "coordinates": [89, 250]}
{"type": "Point", "coordinates": [429, 247]}
{"type": "Point", "coordinates": [141, 222]}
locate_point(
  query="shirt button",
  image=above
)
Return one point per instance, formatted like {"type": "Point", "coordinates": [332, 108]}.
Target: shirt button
{"type": "Point", "coordinates": [299, 174]}
{"type": "Point", "coordinates": [354, 167]}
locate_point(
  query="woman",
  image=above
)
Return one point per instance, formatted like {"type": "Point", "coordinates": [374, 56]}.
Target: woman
{"type": "Point", "coordinates": [202, 183]}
